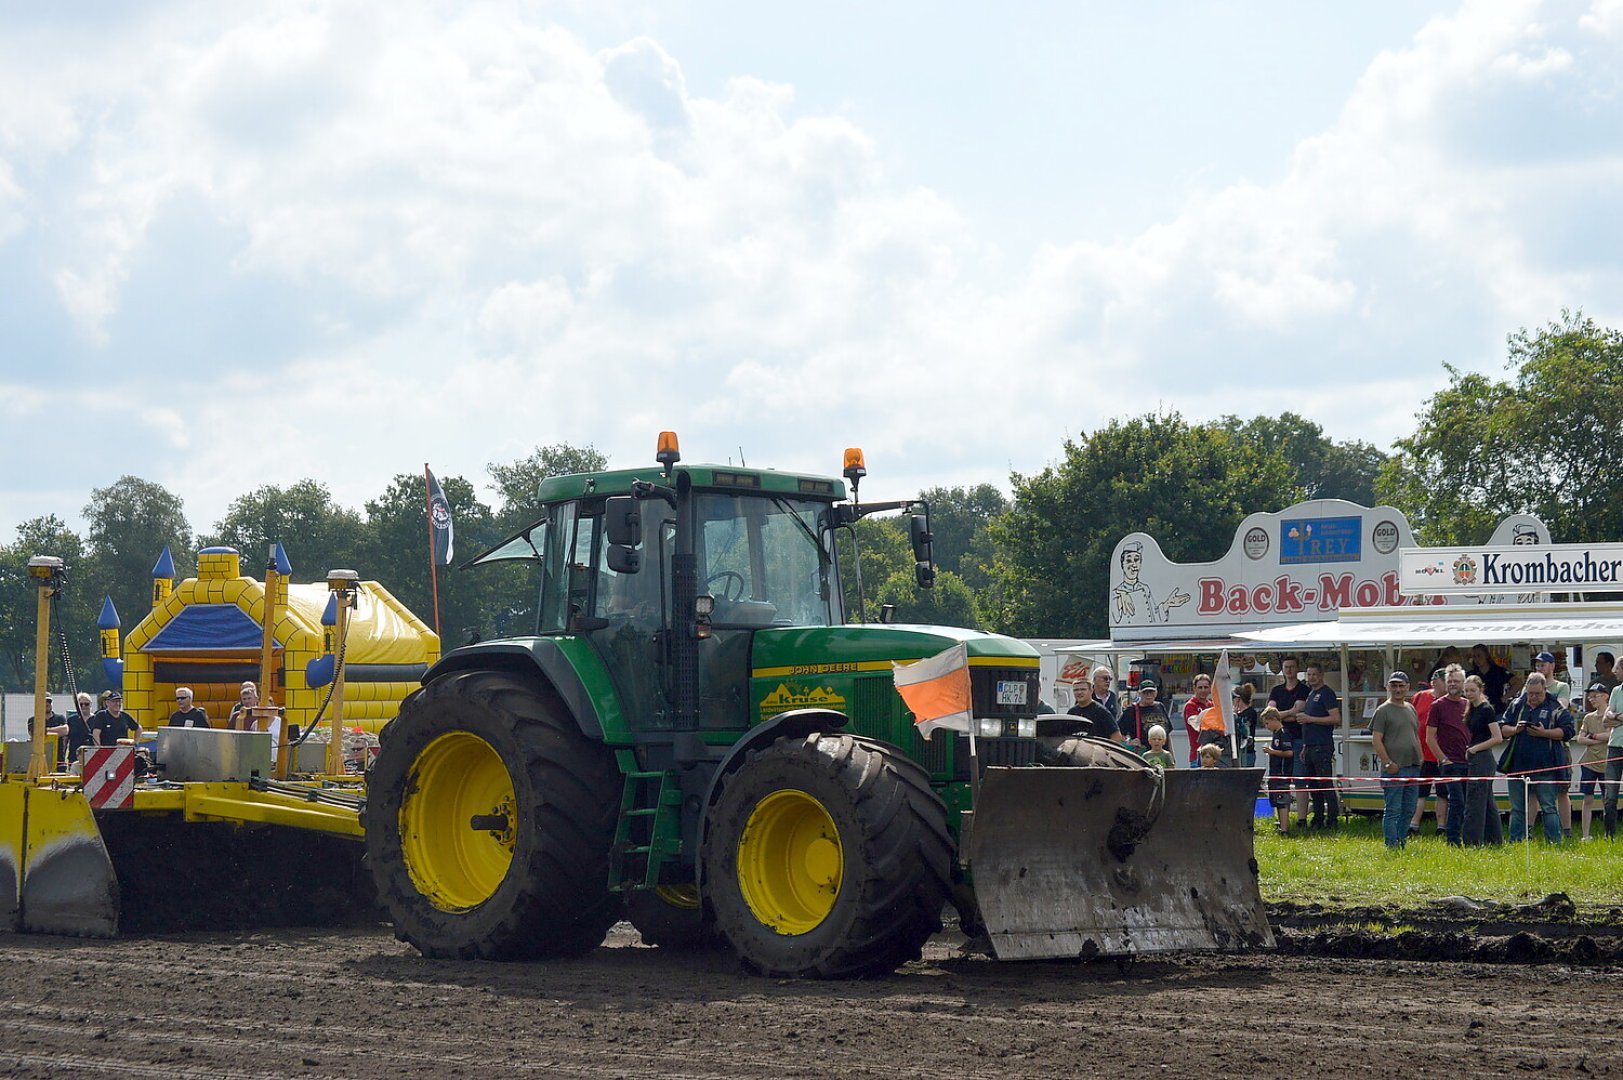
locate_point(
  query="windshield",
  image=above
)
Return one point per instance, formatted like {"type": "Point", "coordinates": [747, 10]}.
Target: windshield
{"type": "Point", "coordinates": [764, 560]}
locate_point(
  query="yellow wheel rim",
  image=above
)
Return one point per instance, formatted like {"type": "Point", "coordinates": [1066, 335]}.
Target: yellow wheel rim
{"type": "Point", "coordinates": [458, 783]}
{"type": "Point", "coordinates": [685, 897]}
{"type": "Point", "coordinates": [790, 863]}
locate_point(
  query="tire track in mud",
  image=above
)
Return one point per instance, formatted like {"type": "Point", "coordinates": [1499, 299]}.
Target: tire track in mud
{"type": "Point", "coordinates": [359, 1004]}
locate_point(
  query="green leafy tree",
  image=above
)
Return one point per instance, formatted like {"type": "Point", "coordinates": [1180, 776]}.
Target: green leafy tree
{"type": "Point", "coordinates": [958, 517]}
{"type": "Point", "coordinates": [75, 609]}
{"type": "Point", "coordinates": [885, 552]}
{"type": "Point", "coordinates": [1543, 442]}
{"type": "Point", "coordinates": [130, 523]}
{"type": "Point", "coordinates": [517, 481]}
{"type": "Point", "coordinates": [1187, 485]}
{"type": "Point", "coordinates": [1324, 468]}
{"type": "Point", "coordinates": [949, 602]}
{"type": "Point", "coordinates": [397, 554]}
{"type": "Point", "coordinates": [316, 532]}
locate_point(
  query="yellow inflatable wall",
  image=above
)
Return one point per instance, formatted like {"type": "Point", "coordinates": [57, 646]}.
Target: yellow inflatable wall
{"type": "Point", "coordinates": [206, 631]}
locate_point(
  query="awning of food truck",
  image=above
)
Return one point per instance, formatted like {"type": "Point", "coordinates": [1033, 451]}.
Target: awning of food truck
{"type": "Point", "coordinates": [1489, 624]}
{"type": "Point", "coordinates": [1188, 645]}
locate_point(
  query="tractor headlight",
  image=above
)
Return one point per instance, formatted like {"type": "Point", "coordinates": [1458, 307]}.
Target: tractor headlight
{"type": "Point", "coordinates": [989, 727]}
{"type": "Point", "coordinates": [1026, 727]}
{"type": "Point", "coordinates": [704, 605]}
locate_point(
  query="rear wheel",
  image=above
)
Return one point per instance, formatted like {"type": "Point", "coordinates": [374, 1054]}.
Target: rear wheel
{"type": "Point", "coordinates": [671, 917]}
{"type": "Point", "coordinates": [489, 821]}
{"type": "Point", "coordinates": [827, 856]}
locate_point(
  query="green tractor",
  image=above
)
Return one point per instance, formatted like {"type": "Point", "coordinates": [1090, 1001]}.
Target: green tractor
{"type": "Point", "coordinates": [695, 739]}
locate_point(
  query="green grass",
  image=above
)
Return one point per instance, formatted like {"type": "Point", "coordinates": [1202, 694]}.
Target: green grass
{"type": "Point", "coordinates": [1352, 867]}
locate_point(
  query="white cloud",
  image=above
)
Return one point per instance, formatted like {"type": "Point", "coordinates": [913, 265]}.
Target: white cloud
{"type": "Point", "coordinates": [496, 236]}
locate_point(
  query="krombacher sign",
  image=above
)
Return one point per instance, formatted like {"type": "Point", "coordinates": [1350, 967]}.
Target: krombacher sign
{"type": "Point", "coordinates": [1557, 568]}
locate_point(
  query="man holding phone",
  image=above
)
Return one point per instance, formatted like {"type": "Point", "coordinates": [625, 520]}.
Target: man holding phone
{"type": "Point", "coordinates": [1540, 728]}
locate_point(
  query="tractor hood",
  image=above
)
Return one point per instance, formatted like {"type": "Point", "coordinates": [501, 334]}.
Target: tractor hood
{"type": "Point", "coordinates": [873, 646]}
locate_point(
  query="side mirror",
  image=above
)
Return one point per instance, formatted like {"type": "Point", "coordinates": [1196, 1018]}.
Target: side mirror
{"type": "Point", "coordinates": [622, 519]}
{"type": "Point", "coordinates": [924, 574]}
{"type": "Point", "coordinates": [624, 560]}
{"type": "Point", "coordinates": [919, 529]}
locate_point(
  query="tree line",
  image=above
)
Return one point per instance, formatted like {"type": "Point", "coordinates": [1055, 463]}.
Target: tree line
{"type": "Point", "coordinates": [131, 521]}
{"type": "Point", "coordinates": [1033, 563]}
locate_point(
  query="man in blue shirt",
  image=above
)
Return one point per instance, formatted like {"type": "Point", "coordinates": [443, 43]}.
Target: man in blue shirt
{"type": "Point", "coordinates": [1321, 715]}
{"type": "Point", "coordinates": [1539, 729]}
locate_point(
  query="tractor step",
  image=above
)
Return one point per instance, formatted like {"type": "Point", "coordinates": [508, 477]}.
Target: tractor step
{"type": "Point", "coordinates": [649, 832]}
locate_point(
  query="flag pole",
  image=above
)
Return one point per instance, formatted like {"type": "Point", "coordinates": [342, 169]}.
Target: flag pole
{"type": "Point", "coordinates": [433, 562]}
{"type": "Point", "coordinates": [1225, 704]}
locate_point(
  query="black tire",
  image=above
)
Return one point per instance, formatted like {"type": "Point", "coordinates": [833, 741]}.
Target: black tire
{"type": "Point", "coordinates": [1086, 751]}
{"type": "Point", "coordinates": [673, 922]}
{"type": "Point", "coordinates": [895, 849]}
{"type": "Point", "coordinates": [553, 898]}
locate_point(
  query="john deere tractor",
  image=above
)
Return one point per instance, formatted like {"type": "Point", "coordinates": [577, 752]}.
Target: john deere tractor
{"type": "Point", "coordinates": [695, 738]}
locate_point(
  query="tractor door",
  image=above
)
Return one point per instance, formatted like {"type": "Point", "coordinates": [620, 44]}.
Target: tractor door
{"type": "Point", "coordinates": [626, 614]}
{"type": "Point", "coordinates": [762, 560]}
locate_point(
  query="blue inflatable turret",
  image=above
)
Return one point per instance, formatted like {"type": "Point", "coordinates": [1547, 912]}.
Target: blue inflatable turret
{"type": "Point", "coordinates": [321, 670]}
{"type": "Point", "coordinates": [163, 577]}
{"type": "Point", "coordinates": [112, 655]}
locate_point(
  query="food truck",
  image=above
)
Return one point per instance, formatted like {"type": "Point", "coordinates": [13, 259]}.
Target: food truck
{"type": "Point", "coordinates": [1344, 586]}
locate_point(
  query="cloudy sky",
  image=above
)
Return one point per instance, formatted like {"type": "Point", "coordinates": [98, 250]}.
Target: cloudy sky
{"type": "Point", "coordinates": [245, 244]}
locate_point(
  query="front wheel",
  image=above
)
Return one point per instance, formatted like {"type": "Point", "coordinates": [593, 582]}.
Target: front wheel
{"type": "Point", "coordinates": [827, 856]}
{"type": "Point", "coordinates": [489, 822]}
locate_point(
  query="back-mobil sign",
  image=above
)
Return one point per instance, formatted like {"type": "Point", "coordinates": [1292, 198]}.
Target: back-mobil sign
{"type": "Point", "coordinates": [1305, 563]}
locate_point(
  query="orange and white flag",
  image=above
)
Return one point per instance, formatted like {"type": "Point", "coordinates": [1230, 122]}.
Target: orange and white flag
{"type": "Point", "coordinates": [936, 690]}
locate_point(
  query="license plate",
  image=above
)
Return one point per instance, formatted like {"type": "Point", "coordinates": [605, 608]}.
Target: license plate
{"type": "Point", "coordinates": [1011, 692]}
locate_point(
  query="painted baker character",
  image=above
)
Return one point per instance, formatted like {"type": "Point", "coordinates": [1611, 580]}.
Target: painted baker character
{"type": "Point", "coordinates": [1526, 536]}
{"type": "Point", "coordinates": [1134, 603]}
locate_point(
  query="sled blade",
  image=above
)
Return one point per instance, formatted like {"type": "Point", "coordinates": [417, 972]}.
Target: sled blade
{"type": "Point", "coordinates": [1081, 862]}
{"type": "Point", "coordinates": [12, 798]}
{"type": "Point", "coordinates": [68, 885]}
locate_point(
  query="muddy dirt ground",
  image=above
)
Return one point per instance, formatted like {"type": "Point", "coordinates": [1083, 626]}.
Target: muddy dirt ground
{"type": "Point", "coordinates": [358, 1003]}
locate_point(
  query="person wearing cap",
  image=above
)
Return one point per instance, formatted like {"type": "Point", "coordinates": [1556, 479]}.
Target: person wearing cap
{"type": "Point", "coordinates": [55, 724]}
{"type": "Point", "coordinates": [1429, 768]}
{"type": "Point", "coordinates": [1481, 812]}
{"type": "Point", "coordinates": [1449, 740]}
{"type": "Point", "coordinates": [1395, 731]}
{"type": "Point", "coordinates": [1145, 713]}
{"type": "Point", "coordinates": [186, 714]}
{"type": "Point", "coordinates": [1592, 736]}
{"type": "Point", "coordinates": [112, 723]}
{"type": "Point", "coordinates": [1544, 664]}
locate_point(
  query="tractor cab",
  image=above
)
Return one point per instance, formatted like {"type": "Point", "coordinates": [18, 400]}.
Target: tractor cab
{"type": "Point", "coordinates": [746, 550]}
